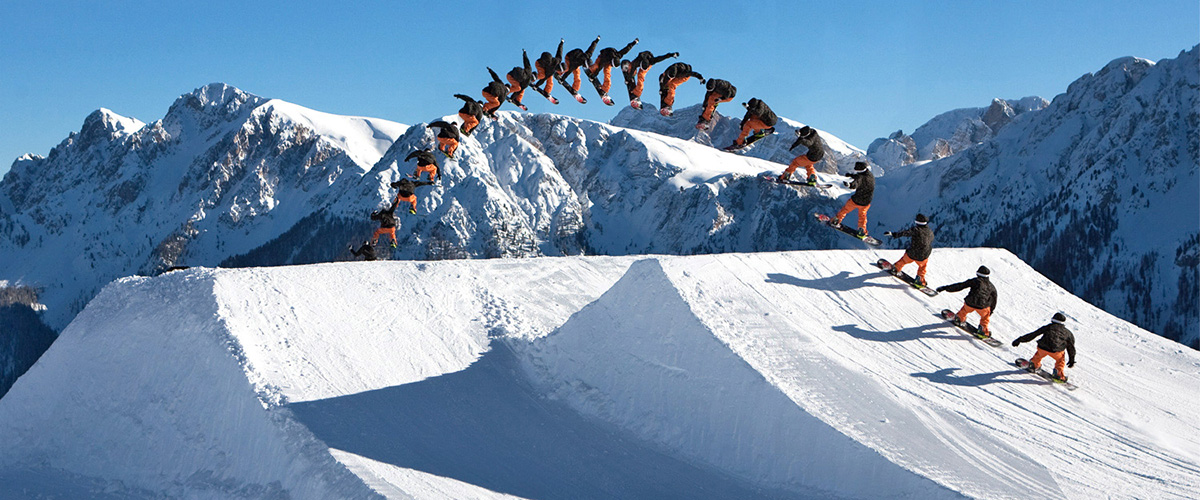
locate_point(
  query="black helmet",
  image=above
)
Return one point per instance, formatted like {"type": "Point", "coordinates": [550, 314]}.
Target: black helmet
{"type": "Point", "coordinates": [922, 219]}
{"type": "Point", "coordinates": [860, 166]}
{"type": "Point", "coordinates": [1059, 318]}
{"type": "Point", "coordinates": [983, 272]}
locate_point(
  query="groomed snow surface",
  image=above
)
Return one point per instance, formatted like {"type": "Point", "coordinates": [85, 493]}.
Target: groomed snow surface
{"type": "Point", "coordinates": [778, 375]}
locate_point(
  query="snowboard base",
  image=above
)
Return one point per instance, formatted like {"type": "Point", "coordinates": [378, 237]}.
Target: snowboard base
{"type": "Point", "coordinates": [775, 179]}
{"type": "Point", "coordinates": [948, 315]}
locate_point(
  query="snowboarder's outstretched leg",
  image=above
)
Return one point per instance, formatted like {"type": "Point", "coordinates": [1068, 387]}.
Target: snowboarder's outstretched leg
{"type": "Point", "coordinates": [985, 317]}
{"type": "Point", "coordinates": [862, 214]}
{"type": "Point", "coordinates": [906, 260]}
{"type": "Point", "coordinates": [1060, 362]}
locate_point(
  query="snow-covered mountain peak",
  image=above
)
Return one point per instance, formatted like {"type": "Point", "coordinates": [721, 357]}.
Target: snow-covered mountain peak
{"type": "Point", "coordinates": [104, 124]}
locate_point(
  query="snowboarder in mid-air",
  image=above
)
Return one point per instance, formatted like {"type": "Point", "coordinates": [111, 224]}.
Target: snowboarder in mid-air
{"type": "Point", "coordinates": [863, 183]}
{"type": "Point", "coordinates": [407, 192]}
{"type": "Point", "coordinates": [547, 68]}
{"type": "Point", "coordinates": [574, 64]}
{"type": "Point", "coordinates": [495, 93]}
{"type": "Point", "coordinates": [426, 162]}
{"type": "Point", "coordinates": [447, 137]}
{"type": "Point", "coordinates": [980, 300]}
{"type": "Point", "coordinates": [673, 77]}
{"type": "Point", "coordinates": [635, 70]}
{"type": "Point", "coordinates": [716, 91]}
{"type": "Point", "coordinates": [387, 222]}
{"type": "Point", "coordinates": [519, 79]}
{"type": "Point", "coordinates": [920, 246]}
{"type": "Point", "coordinates": [759, 118]}
{"type": "Point", "coordinates": [1056, 338]}
{"type": "Point", "coordinates": [608, 58]}
{"type": "Point", "coordinates": [367, 250]}
{"type": "Point", "coordinates": [807, 137]}
{"type": "Point", "coordinates": [471, 113]}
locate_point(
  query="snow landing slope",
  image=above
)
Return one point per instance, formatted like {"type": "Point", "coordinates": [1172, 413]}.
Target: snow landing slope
{"type": "Point", "coordinates": [773, 375]}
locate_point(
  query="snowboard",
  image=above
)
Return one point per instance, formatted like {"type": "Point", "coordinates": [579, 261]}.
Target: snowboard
{"type": "Point", "coordinates": [666, 111]}
{"type": "Point", "coordinates": [571, 90]}
{"type": "Point", "coordinates": [608, 101]}
{"type": "Point", "coordinates": [755, 137]}
{"type": "Point", "coordinates": [775, 179]}
{"type": "Point", "coordinates": [517, 104]}
{"type": "Point", "coordinates": [827, 220]}
{"type": "Point", "coordinates": [948, 315]}
{"type": "Point", "coordinates": [1023, 364]}
{"type": "Point", "coordinates": [552, 99]}
{"type": "Point", "coordinates": [902, 276]}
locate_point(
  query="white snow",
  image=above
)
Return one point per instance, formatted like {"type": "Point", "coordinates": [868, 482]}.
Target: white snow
{"type": "Point", "coordinates": [794, 374]}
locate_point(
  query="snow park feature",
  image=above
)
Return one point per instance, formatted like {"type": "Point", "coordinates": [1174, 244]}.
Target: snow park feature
{"type": "Point", "coordinates": [768, 375]}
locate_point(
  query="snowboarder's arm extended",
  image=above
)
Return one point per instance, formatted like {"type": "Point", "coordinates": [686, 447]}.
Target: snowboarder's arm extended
{"type": "Point", "coordinates": [465, 98]}
{"type": "Point", "coordinates": [664, 57]}
{"type": "Point", "coordinates": [495, 77]}
{"type": "Point", "coordinates": [908, 233]}
{"type": "Point", "coordinates": [621, 53]}
{"type": "Point", "coordinates": [957, 286]}
{"type": "Point", "coordinates": [1028, 337]}
{"type": "Point", "coordinates": [696, 75]}
{"type": "Point", "coordinates": [525, 59]}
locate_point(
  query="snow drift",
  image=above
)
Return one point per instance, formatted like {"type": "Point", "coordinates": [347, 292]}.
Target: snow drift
{"type": "Point", "coordinates": [774, 375]}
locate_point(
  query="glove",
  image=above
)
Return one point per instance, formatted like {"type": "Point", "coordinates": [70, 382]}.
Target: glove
{"type": "Point", "coordinates": [941, 288]}
{"type": "Point", "coordinates": [889, 233]}
{"type": "Point", "coordinates": [1071, 364]}
{"type": "Point", "coordinates": [1016, 343]}
{"type": "Point", "coordinates": [674, 54]}
{"type": "Point", "coordinates": [844, 183]}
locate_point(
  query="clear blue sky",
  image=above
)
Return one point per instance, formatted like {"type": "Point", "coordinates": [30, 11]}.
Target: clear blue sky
{"type": "Point", "coordinates": [860, 70]}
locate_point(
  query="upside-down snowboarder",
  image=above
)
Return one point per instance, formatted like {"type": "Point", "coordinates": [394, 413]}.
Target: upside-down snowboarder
{"type": "Point", "coordinates": [671, 78]}
{"type": "Point", "coordinates": [635, 70]}
{"type": "Point", "coordinates": [574, 64]}
{"type": "Point", "coordinates": [759, 118]}
{"type": "Point", "coordinates": [920, 246]}
{"type": "Point", "coordinates": [1056, 339]}
{"type": "Point", "coordinates": [547, 68]}
{"type": "Point", "coordinates": [809, 138]}
{"type": "Point", "coordinates": [980, 300]}
{"type": "Point", "coordinates": [606, 60]}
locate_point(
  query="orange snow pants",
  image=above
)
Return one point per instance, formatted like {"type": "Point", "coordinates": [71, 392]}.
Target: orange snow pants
{"type": "Point", "coordinates": [906, 260]}
{"type": "Point", "coordinates": [985, 316]}
{"type": "Point", "coordinates": [862, 213]}
{"type": "Point", "coordinates": [754, 123]}
{"type": "Point", "coordinates": [493, 102]}
{"type": "Point", "coordinates": [668, 98]}
{"type": "Point", "coordinates": [448, 144]}
{"type": "Point", "coordinates": [800, 161]}
{"type": "Point", "coordinates": [641, 83]}
{"type": "Point", "coordinates": [1060, 360]}
{"type": "Point", "coordinates": [391, 231]}
{"type": "Point", "coordinates": [548, 76]}
{"type": "Point", "coordinates": [578, 79]}
{"type": "Point", "coordinates": [710, 105]}
{"type": "Point", "coordinates": [411, 199]}
{"type": "Point", "coordinates": [469, 122]}
{"type": "Point", "coordinates": [518, 92]}
{"type": "Point", "coordinates": [431, 168]}
{"type": "Point", "coordinates": [607, 82]}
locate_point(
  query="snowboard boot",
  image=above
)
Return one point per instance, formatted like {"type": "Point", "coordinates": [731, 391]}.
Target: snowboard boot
{"type": "Point", "coordinates": [1059, 376]}
{"type": "Point", "coordinates": [812, 179]}
{"type": "Point", "coordinates": [920, 281]}
{"type": "Point", "coordinates": [862, 233]}
{"type": "Point", "coordinates": [783, 178]}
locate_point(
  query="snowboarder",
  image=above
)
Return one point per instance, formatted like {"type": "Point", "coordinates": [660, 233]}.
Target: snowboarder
{"type": "Point", "coordinates": [919, 248]}
{"type": "Point", "coordinates": [407, 192]}
{"type": "Point", "coordinates": [605, 61]}
{"type": "Point", "coordinates": [494, 93]}
{"type": "Point", "coordinates": [547, 67]}
{"type": "Point", "coordinates": [471, 113]}
{"type": "Point", "coordinates": [426, 162]}
{"type": "Point", "coordinates": [367, 250]}
{"type": "Point", "coordinates": [447, 137]}
{"type": "Point", "coordinates": [519, 79]}
{"type": "Point", "coordinates": [387, 221]}
{"type": "Point", "coordinates": [863, 183]}
{"type": "Point", "coordinates": [980, 300]}
{"type": "Point", "coordinates": [759, 118]}
{"type": "Point", "coordinates": [716, 91]}
{"type": "Point", "coordinates": [807, 137]}
{"type": "Point", "coordinates": [635, 73]}
{"type": "Point", "coordinates": [673, 77]}
{"type": "Point", "coordinates": [575, 63]}
{"type": "Point", "coordinates": [1056, 338]}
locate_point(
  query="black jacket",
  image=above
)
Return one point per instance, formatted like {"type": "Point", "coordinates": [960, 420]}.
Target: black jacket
{"type": "Point", "coordinates": [423, 156]}
{"type": "Point", "coordinates": [678, 70]}
{"type": "Point", "coordinates": [496, 88]}
{"type": "Point", "coordinates": [982, 295]}
{"type": "Point", "coordinates": [523, 75]}
{"type": "Point", "coordinates": [921, 244]}
{"type": "Point", "coordinates": [756, 108]}
{"type": "Point", "coordinates": [387, 217]}
{"type": "Point", "coordinates": [367, 251]}
{"type": "Point", "coordinates": [812, 141]}
{"type": "Point", "coordinates": [644, 60]}
{"type": "Point", "coordinates": [611, 57]}
{"type": "Point", "coordinates": [580, 57]}
{"type": "Point", "coordinates": [1055, 338]}
{"type": "Point", "coordinates": [549, 63]}
{"type": "Point", "coordinates": [471, 107]}
{"type": "Point", "coordinates": [720, 87]}
{"type": "Point", "coordinates": [447, 130]}
{"type": "Point", "coordinates": [407, 187]}
{"type": "Point", "coordinates": [864, 187]}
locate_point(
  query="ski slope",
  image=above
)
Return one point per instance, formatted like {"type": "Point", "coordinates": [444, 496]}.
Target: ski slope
{"type": "Point", "coordinates": [804, 374]}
